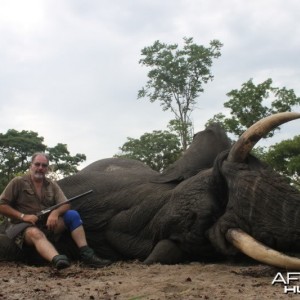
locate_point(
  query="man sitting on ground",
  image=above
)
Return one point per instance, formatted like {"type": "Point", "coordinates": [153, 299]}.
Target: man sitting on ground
{"type": "Point", "coordinates": [26, 195]}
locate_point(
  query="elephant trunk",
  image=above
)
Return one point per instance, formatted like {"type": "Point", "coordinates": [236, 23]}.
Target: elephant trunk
{"type": "Point", "coordinates": [258, 251]}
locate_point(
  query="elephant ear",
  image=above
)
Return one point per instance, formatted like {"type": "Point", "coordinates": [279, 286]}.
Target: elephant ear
{"type": "Point", "coordinates": [206, 145]}
{"type": "Point", "coordinates": [173, 175]}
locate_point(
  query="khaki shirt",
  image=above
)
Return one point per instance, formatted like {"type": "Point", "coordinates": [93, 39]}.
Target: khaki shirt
{"type": "Point", "coordinates": [20, 194]}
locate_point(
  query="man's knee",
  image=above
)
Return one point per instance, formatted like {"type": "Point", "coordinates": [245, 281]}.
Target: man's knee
{"type": "Point", "coordinates": [33, 234]}
{"type": "Point", "coordinates": [72, 219]}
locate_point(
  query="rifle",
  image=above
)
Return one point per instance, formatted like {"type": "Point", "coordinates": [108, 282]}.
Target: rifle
{"type": "Point", "coordinates": [47, 210]}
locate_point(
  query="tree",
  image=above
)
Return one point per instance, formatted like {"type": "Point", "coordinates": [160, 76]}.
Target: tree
{"type": "Point", "coordinates": [16, 149]}
{"type": "Point", "coordinates": [176, 79]}
{"type": "Point", "coordinates": [285, 158]}
{"type": "Point", "coordinates": [254, 102]}
{"type": "Point", "coordinates": [158, 149]}
{"type": "Point", "coordinates": [63, 164]}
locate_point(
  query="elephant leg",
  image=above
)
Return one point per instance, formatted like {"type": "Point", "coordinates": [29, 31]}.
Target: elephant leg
{"type": "Point", "coordinates": [164, 252]}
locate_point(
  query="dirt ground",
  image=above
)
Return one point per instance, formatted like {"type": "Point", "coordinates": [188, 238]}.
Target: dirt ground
{"type": "Point", "coordinates": [132, 280]}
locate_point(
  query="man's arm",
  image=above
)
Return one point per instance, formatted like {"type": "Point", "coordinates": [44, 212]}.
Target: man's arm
{"type": "Point", "coordinates": [52, 219]}
{"type": "Point", "coordinates": [7, 211]}
{"type": "Point", "coordinates": [10, 212]}
{"type": "Point", "coordinates": [61, 209]}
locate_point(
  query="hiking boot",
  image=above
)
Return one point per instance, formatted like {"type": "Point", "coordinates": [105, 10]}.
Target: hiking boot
{"type": "Point", "coordinates": [90, 259]}
{"type": "Point", "coordinates": [60, 262]}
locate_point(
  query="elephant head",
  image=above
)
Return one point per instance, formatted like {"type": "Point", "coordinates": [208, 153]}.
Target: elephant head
{"type": "Point", "coordinates": [263, 209]}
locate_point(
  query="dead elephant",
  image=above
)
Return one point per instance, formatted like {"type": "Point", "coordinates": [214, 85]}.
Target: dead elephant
{"type": "Point", "coordinates": [196, 210]}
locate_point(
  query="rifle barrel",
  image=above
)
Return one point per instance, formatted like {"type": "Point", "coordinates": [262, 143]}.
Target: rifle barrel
{"type": "Point", "coordinates": [46, 210]}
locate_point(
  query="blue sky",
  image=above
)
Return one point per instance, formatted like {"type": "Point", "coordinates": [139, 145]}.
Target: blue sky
{"type": "Point", "coordinates": [69, 69]}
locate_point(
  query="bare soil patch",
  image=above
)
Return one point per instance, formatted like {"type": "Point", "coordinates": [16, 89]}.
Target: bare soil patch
{"type": "Point", "coordinates": [133, 280]}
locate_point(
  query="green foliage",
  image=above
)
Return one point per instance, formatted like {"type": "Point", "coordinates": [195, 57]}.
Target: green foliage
{"type": "Point", "coordinates": [285, 158]}
{"type": "Point", "coordinates": [179, 127]}
{"type": "Point", "coordinates": [176, 78]}
{"type": "Point", "coordinates": [260, 152]}
{"type": "Point", "coordinates": [254, 102]}
{"type": "Point", "coordinates": [16, 149]}
{"type": "Point", "coordinates": [62, 162]}
{"type": "Point", "coordinates": [158, 149]}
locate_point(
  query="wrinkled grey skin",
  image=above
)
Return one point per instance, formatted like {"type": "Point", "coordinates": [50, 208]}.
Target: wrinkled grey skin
{"type": "Point", "coordinates": [261, 203]}
{"type": "Point", "coordinates": [129, 217]}
{"type": "Point", "coordinates": [136, 213]}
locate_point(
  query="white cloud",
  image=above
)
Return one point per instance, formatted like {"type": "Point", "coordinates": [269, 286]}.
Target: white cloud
{"type": "Point", "coordinates": [69, 69]}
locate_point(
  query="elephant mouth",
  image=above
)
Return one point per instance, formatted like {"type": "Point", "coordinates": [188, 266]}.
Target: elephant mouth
{"type": "Point", "coordinates": [238, 153]}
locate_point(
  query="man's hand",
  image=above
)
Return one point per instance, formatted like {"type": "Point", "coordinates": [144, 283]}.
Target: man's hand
{"type": "Point", "coordinates": [30, 219]}
{"type": "Point", "coordinates": [52, 220]}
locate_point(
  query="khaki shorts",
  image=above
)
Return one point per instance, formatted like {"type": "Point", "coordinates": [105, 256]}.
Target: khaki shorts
{"type": "Point", "coordinates": [16, 232]}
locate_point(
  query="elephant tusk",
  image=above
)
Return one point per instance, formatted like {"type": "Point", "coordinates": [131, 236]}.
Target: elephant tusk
{"type": "Point", "coordinates": [260, 252]}
{"type": "Point", "coordinates": [253, 134]}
